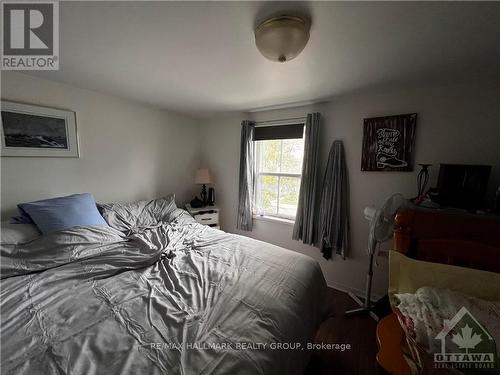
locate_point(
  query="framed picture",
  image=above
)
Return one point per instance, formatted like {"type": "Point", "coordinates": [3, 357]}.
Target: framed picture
{"type": "Point", "coordinates": [388, 143]}
{"type": "Point", "coordinates": [30, 130]}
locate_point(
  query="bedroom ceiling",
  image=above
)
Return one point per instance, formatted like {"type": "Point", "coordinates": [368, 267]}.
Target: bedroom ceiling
{"type": "Point", "coordinates": [200, 57]}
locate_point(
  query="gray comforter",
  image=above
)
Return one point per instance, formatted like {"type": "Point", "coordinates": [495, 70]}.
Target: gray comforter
{"type": "Point", "coordinates": [175, 298]}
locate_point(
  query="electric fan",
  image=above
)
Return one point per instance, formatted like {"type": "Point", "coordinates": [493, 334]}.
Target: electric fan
{"type": "Point", "coordinates": [381, 227]}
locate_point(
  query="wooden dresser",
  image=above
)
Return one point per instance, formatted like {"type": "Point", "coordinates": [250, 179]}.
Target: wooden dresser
{"type": "Point", "coordinates": [438, 236]}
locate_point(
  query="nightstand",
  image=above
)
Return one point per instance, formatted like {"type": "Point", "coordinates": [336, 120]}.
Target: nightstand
{"type": "Point", "coordinates": [208, 215]}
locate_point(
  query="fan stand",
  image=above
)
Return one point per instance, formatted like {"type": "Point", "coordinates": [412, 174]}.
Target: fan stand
{"type": "Point", "coordinates": [366, 307]}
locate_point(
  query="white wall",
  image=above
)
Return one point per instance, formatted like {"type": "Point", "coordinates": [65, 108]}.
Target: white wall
{"type": "Point", "coordinates": [127, 151]}
{"type": "Point", "coordinates": [456, 124]}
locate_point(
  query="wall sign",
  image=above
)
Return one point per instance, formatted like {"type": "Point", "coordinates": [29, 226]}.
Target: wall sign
{"type": "Point", "coordinates": [388, 143]}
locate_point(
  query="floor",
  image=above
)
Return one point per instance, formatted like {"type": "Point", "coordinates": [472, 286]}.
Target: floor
{"type": "Point", "coordinates": [358, 331]}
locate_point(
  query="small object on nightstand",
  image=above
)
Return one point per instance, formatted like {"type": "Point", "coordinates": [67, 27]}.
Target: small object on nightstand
{"type": "Point", "coordinates": [208, 215]}
{"type": "Point", "coordinates": [211, 196]}
{"type": "Point", "coordinates": [196, 203]}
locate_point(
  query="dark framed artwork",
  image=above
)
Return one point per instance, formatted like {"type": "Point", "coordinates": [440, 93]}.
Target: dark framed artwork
{"type": "Point", "coordinates": [388, 143]}
{"type": "Point", "coordinates": [30, 130]}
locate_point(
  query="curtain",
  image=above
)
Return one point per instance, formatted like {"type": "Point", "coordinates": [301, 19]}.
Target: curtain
{"type": "Point", "coordinates": [333, 220]}
{"type": "Point", "coordinates": [303, 228]}
{"type": "Point", "coordinates": [245, 202]}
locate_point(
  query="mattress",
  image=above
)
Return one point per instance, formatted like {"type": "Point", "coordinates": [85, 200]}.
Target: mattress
{"type": "Point", "coordinates": [174, 298]}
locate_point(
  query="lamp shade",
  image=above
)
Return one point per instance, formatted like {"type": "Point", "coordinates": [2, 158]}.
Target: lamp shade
{"type": "Point", "coordinates": [202, 177]}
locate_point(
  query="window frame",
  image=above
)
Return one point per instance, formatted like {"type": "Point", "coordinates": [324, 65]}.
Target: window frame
{"type": "Point", "coordinates": [257, 173]}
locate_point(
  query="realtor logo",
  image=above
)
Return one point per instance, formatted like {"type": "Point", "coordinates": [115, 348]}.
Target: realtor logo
{"type": "Point", "coordinates": [30, 35]}
{"type": "Point", "coordinates": [466, 345]}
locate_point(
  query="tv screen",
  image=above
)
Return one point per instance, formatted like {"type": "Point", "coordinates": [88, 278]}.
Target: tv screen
{"type": "Point", "coordinates": [462, 185]}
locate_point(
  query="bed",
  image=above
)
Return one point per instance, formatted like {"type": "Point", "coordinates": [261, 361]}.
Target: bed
{"type": "Point", "coordinates": [436, 242]}
{"type": "Point", "coordinates": [175, 297]}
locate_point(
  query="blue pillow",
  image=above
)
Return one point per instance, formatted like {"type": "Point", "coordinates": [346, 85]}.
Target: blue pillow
{"type": "Point", "coordinates": [21, 218]}
{"type": "Point", "coordinates": [51, 215]}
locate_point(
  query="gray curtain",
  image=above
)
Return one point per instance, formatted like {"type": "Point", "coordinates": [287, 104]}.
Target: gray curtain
{"type": "Point", "coordinates": [245, 203]}
{"type": "Point", "coordinates": [304, 220]}
{"type": "Point", "coordinates": [333, 220]}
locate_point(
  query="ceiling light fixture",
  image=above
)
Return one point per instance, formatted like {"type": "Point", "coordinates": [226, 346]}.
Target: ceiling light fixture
{"type": "Point", "coordinates": [282, 38]}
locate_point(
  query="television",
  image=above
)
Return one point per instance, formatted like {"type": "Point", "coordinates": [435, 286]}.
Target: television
{"type": "Point", "coordinates": [462, 186]}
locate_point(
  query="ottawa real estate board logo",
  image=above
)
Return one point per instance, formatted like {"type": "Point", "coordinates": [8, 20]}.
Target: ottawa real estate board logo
{"type": "Point", "coordinates": [30, 35]}
{"type": "Point", "coordinates": [466, 345]}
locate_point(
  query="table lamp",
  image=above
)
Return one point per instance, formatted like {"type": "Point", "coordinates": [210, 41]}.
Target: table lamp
{"type": "Point", "coordinates": [203, 178]}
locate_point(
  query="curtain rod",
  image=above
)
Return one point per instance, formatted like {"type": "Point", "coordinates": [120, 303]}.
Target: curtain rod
{"type": "Point", "coordinates": [284, 121]}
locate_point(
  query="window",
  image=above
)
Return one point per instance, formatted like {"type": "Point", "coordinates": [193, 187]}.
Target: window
{"type": "Point", "coordinates": [278, 168]}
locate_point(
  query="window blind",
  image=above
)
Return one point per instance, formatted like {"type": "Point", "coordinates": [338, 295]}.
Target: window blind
{"type": "Point", "coordinates": [292, 131]}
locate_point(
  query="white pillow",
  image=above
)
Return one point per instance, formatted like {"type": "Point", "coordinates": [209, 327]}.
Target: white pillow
{"type": "Point", "coordinates": [18, 233]}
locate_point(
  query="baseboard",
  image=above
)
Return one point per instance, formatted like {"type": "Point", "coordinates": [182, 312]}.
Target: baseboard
{"type": "Point", "coordinates": [358, 292]}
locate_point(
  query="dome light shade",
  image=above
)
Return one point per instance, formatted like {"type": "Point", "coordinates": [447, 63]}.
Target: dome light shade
{"type": "Point", "coordinates": [282, 38]}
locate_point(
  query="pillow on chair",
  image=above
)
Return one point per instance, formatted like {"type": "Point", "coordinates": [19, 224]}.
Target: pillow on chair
{"type": "Point", "coordinates": [51, 215]}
